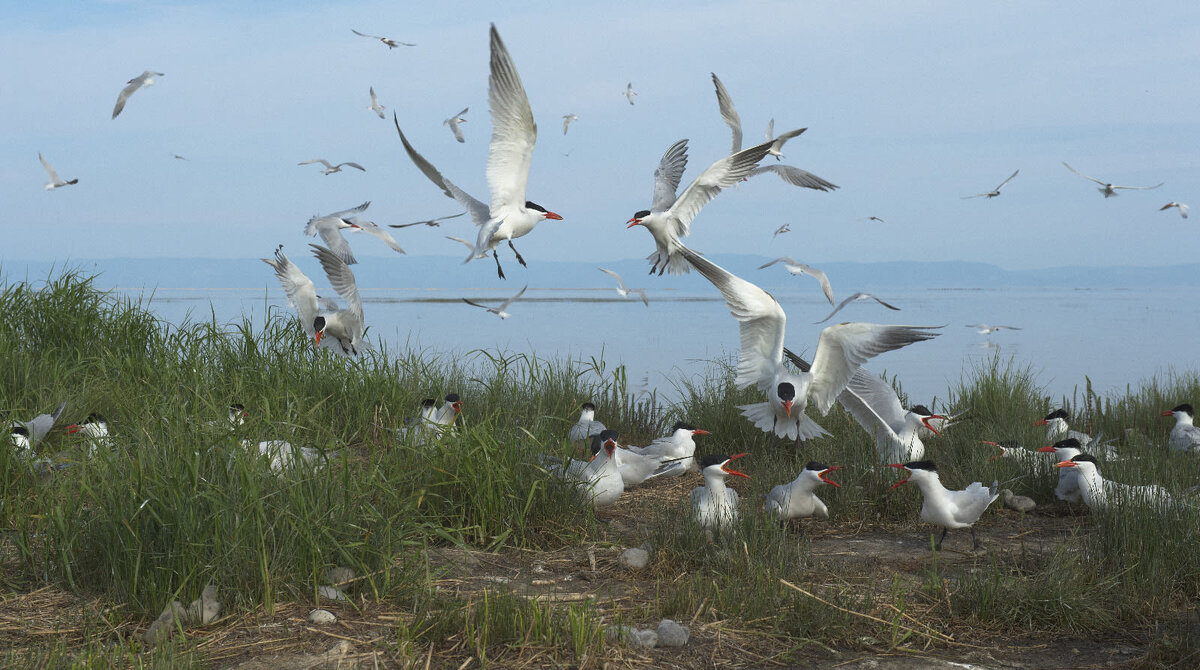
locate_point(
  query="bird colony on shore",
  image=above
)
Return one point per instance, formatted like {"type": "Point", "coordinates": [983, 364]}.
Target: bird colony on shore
{"type": "Point", "coordinates": [789, 385]}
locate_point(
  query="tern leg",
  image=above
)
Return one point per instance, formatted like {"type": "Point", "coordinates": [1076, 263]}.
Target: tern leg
{"type": "Point", "coordinates": [938, 546]}
{"type": "Point", "coordinates": [518, 254]}
{"type": "Point", "coordinates": [974, 540]}
{"type": "Point", "coordinates": [499, 270]}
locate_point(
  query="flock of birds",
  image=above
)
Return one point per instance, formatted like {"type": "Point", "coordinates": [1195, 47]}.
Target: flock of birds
{"type": "Point", "coordinates": [788, 383]}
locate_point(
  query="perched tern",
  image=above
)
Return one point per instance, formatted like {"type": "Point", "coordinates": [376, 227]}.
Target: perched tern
{"type": "Point", "coordinates": [94, 431]}
{"type": "Point", "coordinates": [670, 218]}
{"type": "Point", "coordinates": [635, 467]}
{"type": "Point", "coordinates": [567, 119]}
{"type": "Point", "coordinates": [417, 427]}
{"type": "Point", "coordinates": [840, 351]}
{"type": "Point", "coordinates": [501, 310]}
{"type": "Point", "coordinates": [1056, 427]}
{"type": "Point", "coordinates": [587, 426]}
{"type": "Point", "coordinates": [1184, 436]}
{"type": "Point", "coordinates": [600, 479]}
{"type": "Point", "coordinates": [446, 415]}
{"type": "Point", "coordinates": [1068, 479]}
{"type": "Point", "coordinates": [792, 175]}
{"type": "Point", "coordinates": [432, 223]}
{"type": "Point", "coordinates": [860, 296]}
{"type": "Point", "coordinates": [630, 93]}
{"type": "Point", "coordinates": [1097, 492]}
{"type": "Point", "coordinates": [985, 329]}
{"type": "Point", "coordinates": [714, 505]}
{"type": "Point", "coordinates": [391, 43]}
{"type": "Point", "coordinates": [676, 450]}
{"type": "Point", "coordinates": [329, 227]}
{"type": "Point", "coordinates": [944, 507]}
{"type": "Point", "coordinates": [1183, 209]}
{"type": "Point", "coordinates": [282, 455]}
{"type": "Point", "coordinates": [375, 106]}
{"type": "Point", "coordinates": [1109, 190]}
{"type": "Point", "coordinates": [345, 326]}
{"type": "Point", "coordinates": [994, 192]}
{"type": "Point", "coordinates": [513, 134]}
{"type": "Point", "coordinates": [797, 268]}
{"type": "Point", "coordinates": [329, 168]}
{"type": "Point", "coordinates": [624, 292]}
{"type": "Point", "coordinates": [875, 406]}
{"type": "Point", "coordinates": [785, 228]}
{"type": "Point", "coordinates": [798, 498]}
{"type": "Point", "coordinates": [453, 123]}
{"type": "Point", "coordinates": [19, 438]}
{"type": "Point", "coordinates": [144, 79]}
{"type": "Point", "coordinates": [40, 426]}
{"type": "Point", "coordinates": [55, 180]}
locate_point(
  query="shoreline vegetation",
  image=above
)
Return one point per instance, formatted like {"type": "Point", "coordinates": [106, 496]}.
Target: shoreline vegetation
{"type": "Point", "coordinates": [465, 549]}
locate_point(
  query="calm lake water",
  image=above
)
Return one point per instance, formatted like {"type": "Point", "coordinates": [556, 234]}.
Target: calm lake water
{"type": "Point", "coordinates": [1116, 337]}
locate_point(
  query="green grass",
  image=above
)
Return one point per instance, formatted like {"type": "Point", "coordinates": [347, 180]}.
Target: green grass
{"type": "Point", "coordinates": [178, 504]}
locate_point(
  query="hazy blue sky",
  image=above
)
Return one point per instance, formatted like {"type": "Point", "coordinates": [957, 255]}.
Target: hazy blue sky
{"type": "Point", "coordinates": [909, 106]}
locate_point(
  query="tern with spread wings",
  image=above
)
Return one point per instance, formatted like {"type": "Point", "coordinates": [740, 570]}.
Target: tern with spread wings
{"type": "Point", "coordinates": [453, 123]}
{"type": "Point", "coordinates": [1109, 190]}
{"type": "Point", "coordinates": [623, 291]}
{"type": "Point", "coordinates": [500, 311]}
{"type": "Point", "coordinates": [139, 82]}
{"type": "Point", "coordinates": [321, 318]}
{"type": "Point", "coordinates": [855, 298]}
{"type": "Point", "coordinates": [329, 168]}
{"type": "Point", "coordinates": [994, 192]}
{"type": "Point", "coordinates": [56, 181]}
{"type": "Point", "coordinates": [391, 43]}
{"type": "Point", "coordinates": [801, 269]}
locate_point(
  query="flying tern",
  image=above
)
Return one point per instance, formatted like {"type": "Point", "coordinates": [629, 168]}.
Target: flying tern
{"type": "Point", "coordinates": [944, 507]}
{"type": "Point", "coordinates": [875, 218]}
{"type": "Point", "coordinates": [453, 123]}
{"type": "Point", "coordinates": [714, 505]}
{"type": "Point", "coordinates": [144, 79]}
{"type": "Point", "coordinates": [329, 168]}
{"type": "Point", "coordinates": [994, 192]}
{"type": "Point", "coordinates": [629, 92]}
{"type": "Point", "coordinates": [797, 268]}
{"type": "Point", "coordinates": [500, 311]}
{"type": "Point", "coordinates": [857, 297]}
{"type": "Point", "coordinates": [55, 180]}
{"type": "Point", "coordinates": [798, 498]}
{"type": "Point", "coordinates": [587, 426]}
{"type": "Point", "coordinates": [1184, 436]}
{"type": "Point", "coordinates": [320, 317]}
{"type": "Point", "coordinates": [792, 175]}
{"type": "Point", "coordinates": [329, 227]}
{"type": "Point", "coordinates": [433, 223]}
{"type": "Point", "coordinates": [567, 119]}
{"type": "Point", "coordinates": [1109, 190]}
{"type": "Point", "coordinates": [785, 228]}
{"type": "Point", "coordinates": [985, 329]}
{"type": "Point", "coordinates": [391, 43]}
{"type": "Point", "coordinates": [1183, 209]}
{"type": "Point", "coordinates": [670, 218]}
{"type": "Point", "coordinates": [375, 106]}
{"type": "Point", "coordinates": [513, 135]}
{"type": "Point", "coordinates": [624, 292]}
{"type": "Point", "coordinates": [840, 351]}
{"type": "Point", "coordinates": [373, 229]}
{"type": "Point", "coordinates": [875, 406]}
{"type": "Point", "coordinates": [1098, 492]}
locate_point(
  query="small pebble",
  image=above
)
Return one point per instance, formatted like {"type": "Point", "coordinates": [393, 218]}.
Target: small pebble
{"type": "Point", "coordinates": [672, 634]}
{"type": "Point", "coordinates": [634, 559]}
{"type": "Point", "coordinates": [321, 617]}
{"type": "Point", "coordinates": [331, 593]}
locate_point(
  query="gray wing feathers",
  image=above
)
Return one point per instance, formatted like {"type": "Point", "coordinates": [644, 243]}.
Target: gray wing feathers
{"type": "Point", "coordinates": [796, 177]}
{"type": "Point", "coordinates": [729, 114]}
{"type": "Point", "coordinates": [667, 176]}
{"type": "Point", "coordinates": [340, 277]}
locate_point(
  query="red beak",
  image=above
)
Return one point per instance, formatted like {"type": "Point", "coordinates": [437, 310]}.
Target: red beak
{"type": "Point", "coordinates": [1064, 464]}
{"type": "Point", "coordinates": [734, 472]}
{"type": "Point", "coordinates": [633, 222]}
{"type": "Point", "coordinates": [1167, 412]}
{"type": "Point", "coordinates": [319, 338]}
{"type": "Point", "coordinates": [787, 407]}
{"type": "Point", "coordinates": [1041, 422]}
{"type": "Point", "coordinates": [1047, 450]}
{"type": "Point", "coordinates": [830, 481]}
{"type": "Point", "coordinates": [702, 432]}
{"type": "Point", "coordinates": [552, 215]}
{"type": "Point", "coordinates": [926, 422]}
{"type": "Point", "coordinates": [900, 483]}
{"type": "Point", "coordinates": [71, 429]}
{"type": "Point", "coordinates": [457, 406]}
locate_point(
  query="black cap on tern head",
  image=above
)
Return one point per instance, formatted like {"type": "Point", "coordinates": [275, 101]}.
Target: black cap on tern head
{"type": "Point", "coordinates": [588, 405]}
{"type": "Point", "coordinates": [1184, 408]}
{"type": "Point", "coordinates": [712, 459]}
{"type": "Point", "coordinates": [786, 391]}
{"type": "Point", "coordinates": [20, 430]}
{"type": "Point", "coordinates": [529, 204]}
{"type": "Point", "coordinates": [608, 434]}
{"type": "Point", "coordinates": [641, 214]}
{"type": "Point", "coordinates": [815, 466]}
{"type": "Point", "coordinates": [1085, 458]}
{"type": "Point", "coordinates": [95, 417]}
{"type": "Point", "coordinates": [428, 402]}
{"type": "Point", "coordinates": [921, 409]}
{"type": "Point", "coordinates": [682, 425]}
{"type": "Point", "coordinates": [1058, 414]}
{"type": "Point", "coordinates": [1069, 443]}
{"type": "Point", "coordinates": [319, 324]}
{"type": "Point", "coordinates": [451, 397]}
{"type": "Point", "coordinates": [237, 407]}
{"type": "Point", "coordinates": [921, 465]}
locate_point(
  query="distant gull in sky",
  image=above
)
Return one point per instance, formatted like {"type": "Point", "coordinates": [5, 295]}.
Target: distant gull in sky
{"type": "Point", "coordinates": [854, 298]}
{"type": "Point", "coordinates": [567, 119]}
{"type": "Point", "coordinates": [875, 218]}
{"type": "Point", "coordinates": [146, 78]}
{"type": "Point", "coordinates": [433, 223]}
{"type": "Point", "coordinates": [797, 268]}
{"type": "Point", "coordinates": [453, 123]}
{"type": "Point", "coordinates": [785, 228]}
{"type": "Point", "coordinates": [329, 227]}
{"type": "Point", "coordinates": [178, 157]}
{"type": "Point", "coordinates": [629, 92]}
{"type": "Point", "coordinates": [375, 106]}
{"type": "Point", "coordinates": [56, 181]}
{"type": "Point", "coordinates": [392, 44]}
{"type": "Point", "coordinates": [994, 192]}
{"type": "Point", "coordinates": [1109, 189]}
{"type": "Point", "coordinates": [330, 169]}
{"type": "Point", "coordinates": [1182, 208]}
{"type": "Point", "coordinates": [625, 292]}
{"type": "Point", "coordinates": [499, 311]}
